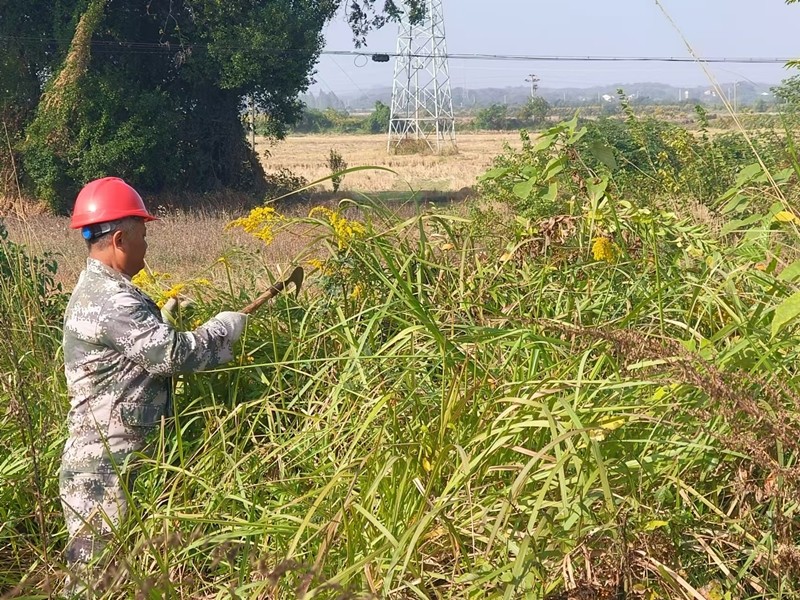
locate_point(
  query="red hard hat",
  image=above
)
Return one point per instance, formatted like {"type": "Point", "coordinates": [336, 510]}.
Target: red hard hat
{"type": "Point", "coordinates": [107, 199]}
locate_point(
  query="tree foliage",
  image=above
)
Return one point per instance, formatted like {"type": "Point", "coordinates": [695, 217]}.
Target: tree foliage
{"type": "Point", "coordinates": [789, 92]}
{"type": "Point", "coordinates": [160, 99]}
{"type": "Point", "coordinates": [378, 120]}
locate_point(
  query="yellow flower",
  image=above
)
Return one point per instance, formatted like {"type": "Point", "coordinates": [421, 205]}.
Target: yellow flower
{"type": "Point", "coordinates": [344, 231]}
{"type": "Point", "coordinates": [603, 249]}
{"type": "Point", "coordinates": [356, 293]}
{"type": "Point", "coordinates": [145, 278]}
{"type": "Point", "coordinates": [174, 291]}
{"type": "Point", "coordinates": [259, 223]}
{"type": "Point", "coordinates": [141, 279]}
{"type": "Point", "coordinates": [200, 281]}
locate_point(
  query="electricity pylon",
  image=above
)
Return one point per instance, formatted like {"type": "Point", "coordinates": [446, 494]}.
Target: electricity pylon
{"type": "Point", "coordinates": [422, 103]}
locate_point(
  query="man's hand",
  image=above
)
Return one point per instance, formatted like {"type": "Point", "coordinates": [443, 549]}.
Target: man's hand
{"type": "Point", "coordinates": [171, 308]}
{"type": "Point", "coordinates": [234, 323]}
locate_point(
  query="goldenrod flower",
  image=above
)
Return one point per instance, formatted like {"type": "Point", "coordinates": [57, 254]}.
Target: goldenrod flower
{"type": "Point", "coordinates": [603, 249]}
{"type": "Point", "coordinates": [145, 278]}
{"type": "Point", "coordinates": [259, 223]}
{"type": "Point", "coordinates": [344, 231]}
{"type": "Point", "coordinates": [174, 291]}
{"type": "Point", "coordinates": [141, 279]}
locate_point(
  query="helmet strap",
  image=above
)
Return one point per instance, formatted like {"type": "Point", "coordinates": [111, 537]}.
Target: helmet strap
{"type": "Point", "coordinates": [92, 232]}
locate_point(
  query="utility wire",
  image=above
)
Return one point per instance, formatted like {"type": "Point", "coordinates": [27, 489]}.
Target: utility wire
{"type": "Point", "coordinates": [104, 46]}
{"type": "Point", "coordinates": [545, 58]}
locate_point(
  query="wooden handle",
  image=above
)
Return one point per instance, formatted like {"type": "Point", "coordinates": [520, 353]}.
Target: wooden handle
{"type": "Point", "coordinates": [268, 295]}
{"type": "Point", "coordinates": [296, 278]}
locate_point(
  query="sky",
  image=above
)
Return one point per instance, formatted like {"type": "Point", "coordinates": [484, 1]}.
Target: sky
{"type": "Point", "coordinates": [714, 28]}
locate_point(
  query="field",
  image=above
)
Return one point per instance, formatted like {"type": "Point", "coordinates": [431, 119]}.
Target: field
{"type": "Point", "coordinates": [582, 384]}
{"type": "Point", "coordinates": [307, 156]}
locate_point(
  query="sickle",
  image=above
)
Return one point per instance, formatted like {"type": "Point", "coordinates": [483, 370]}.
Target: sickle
{"type": "Point", "coordinates": [296, 278]}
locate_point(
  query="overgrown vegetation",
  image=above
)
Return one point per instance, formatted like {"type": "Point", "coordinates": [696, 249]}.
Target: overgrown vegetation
{"type": "Point", "coordinates": [647, 159]}
{"type": "Point", "coordinates": [592, 395]}
{"type": "Point", "coordinates": [586, 388]}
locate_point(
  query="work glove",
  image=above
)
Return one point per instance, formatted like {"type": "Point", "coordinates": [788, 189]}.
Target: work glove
{"type": "Point", "coordinates": [170, 309]}
{"type": "Point", "coordinates": [234, 323]}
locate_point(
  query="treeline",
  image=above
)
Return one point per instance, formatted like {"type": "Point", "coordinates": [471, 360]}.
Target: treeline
{"type": "Point", "coordinates": [532, 115]}
{"type": "Point", "coordinates": [331, 120]}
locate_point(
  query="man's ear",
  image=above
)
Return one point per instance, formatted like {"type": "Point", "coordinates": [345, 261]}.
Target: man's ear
{"type": "Point", "coordinates": [117, 238]}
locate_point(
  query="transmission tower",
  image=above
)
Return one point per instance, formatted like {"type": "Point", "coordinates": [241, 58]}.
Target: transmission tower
{"type": "Point", "coordinates": [422, 104]}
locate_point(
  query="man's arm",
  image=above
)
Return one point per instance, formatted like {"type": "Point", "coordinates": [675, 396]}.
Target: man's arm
{"type": "Point", "coordinates": [127, 325]}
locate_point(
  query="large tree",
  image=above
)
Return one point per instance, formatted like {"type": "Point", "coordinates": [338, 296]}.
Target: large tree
{"type": "Point", "coordinates": [153, 90]}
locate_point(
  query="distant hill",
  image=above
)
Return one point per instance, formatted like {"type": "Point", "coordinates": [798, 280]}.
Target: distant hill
{"type": "Point", "coordinates": [747, 94]}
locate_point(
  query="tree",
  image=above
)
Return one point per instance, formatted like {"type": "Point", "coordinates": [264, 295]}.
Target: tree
{"type": "Point", "coordinates": [535, 110]}
{"type": "Point", "coordinates": [494, 117]}
{"type": "Point", "coordinates": [156, 89]}
{"type": "Point", "coordinates": [21, 63]}
{"type": "Point", "coordinates": [378, 120]}
{"type": "Point", "coordinates": [789, 92]}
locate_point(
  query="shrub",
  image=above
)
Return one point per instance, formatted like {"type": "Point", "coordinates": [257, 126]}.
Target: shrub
{"type": "Point", "coordinates": [336, 164]}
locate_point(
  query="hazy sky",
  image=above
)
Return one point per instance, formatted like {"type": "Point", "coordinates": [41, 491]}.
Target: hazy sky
{"type": "Point", "coordinates": [715, 28]}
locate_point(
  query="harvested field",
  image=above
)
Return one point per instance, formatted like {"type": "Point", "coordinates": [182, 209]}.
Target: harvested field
{"type": "Point", "coordinates": [307, 156]}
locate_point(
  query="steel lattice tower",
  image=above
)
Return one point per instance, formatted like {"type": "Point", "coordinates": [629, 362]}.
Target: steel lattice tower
{"type": "Point", "coordinates": [422, 103]}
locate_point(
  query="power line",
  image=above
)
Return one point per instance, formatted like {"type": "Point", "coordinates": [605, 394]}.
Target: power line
{"type": "Point", "coordinates": [545, 58]}
{"type": "Point", "coordinates": [153, 48]}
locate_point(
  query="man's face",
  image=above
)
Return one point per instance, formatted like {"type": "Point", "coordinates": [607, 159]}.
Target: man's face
{"type": "Point", "coordinates": [130, 248]}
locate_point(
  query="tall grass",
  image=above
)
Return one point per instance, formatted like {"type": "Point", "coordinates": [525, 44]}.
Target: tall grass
{"type": "Point", "coordinates": [31, 414]}
{"type": "Point", "coordinates": [446, 413]}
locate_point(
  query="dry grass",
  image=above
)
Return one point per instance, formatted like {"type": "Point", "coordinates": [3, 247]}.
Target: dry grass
{"type": "Point", "coordinates": [183, 243]}
{"type": "Point", "coordinates": [307, 156]}
{"type": "Point", "coordinates": [189, 243]}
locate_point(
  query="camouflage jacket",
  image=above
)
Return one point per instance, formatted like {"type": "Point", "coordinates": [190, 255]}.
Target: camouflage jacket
{"type": "Point", "coordinates": [119, 357]}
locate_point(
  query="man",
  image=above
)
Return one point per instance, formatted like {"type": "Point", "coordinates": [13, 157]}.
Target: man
{"type": "Point", "coordinates": [119, 355]}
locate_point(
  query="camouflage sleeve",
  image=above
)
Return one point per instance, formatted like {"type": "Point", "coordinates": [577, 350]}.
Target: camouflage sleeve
{"type": "Point", "coordinates": [127, 325]}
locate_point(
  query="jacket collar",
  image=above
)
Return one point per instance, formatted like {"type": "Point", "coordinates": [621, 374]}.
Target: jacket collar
{"type": "Point", "coordinates": [95, 267]}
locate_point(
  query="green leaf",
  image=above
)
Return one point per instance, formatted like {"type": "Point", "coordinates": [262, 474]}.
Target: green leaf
{"type": "Point", "coordinates": [791, 272]}
{"type": "Point", "coordinates": [554, 167]}
{"type": "Point", "coordinates": [653, 525]}
{"type": "Point", "coordinates": [576, 137]}
{"type": "Point", "coordinates": [544, 143]}
{"type": "Point", "coordinates": [785, 312]}
{"type": "Point", "coordinates": [738, 224]}
{"type": "Point", "coordinates": [494, 173]}
{"type": "Point", "coordinates": [604, 154]}
{"type": "Point", "coordinates": [524, 188]}
{"type": "Point", "coordinates": [552, 193]}
{"type": "Point", "coordinates": [597, 190]}
{"type": "Point", "coordinates": [747, 174]}
{"type": "Point", "coordinates": [736, 204]}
